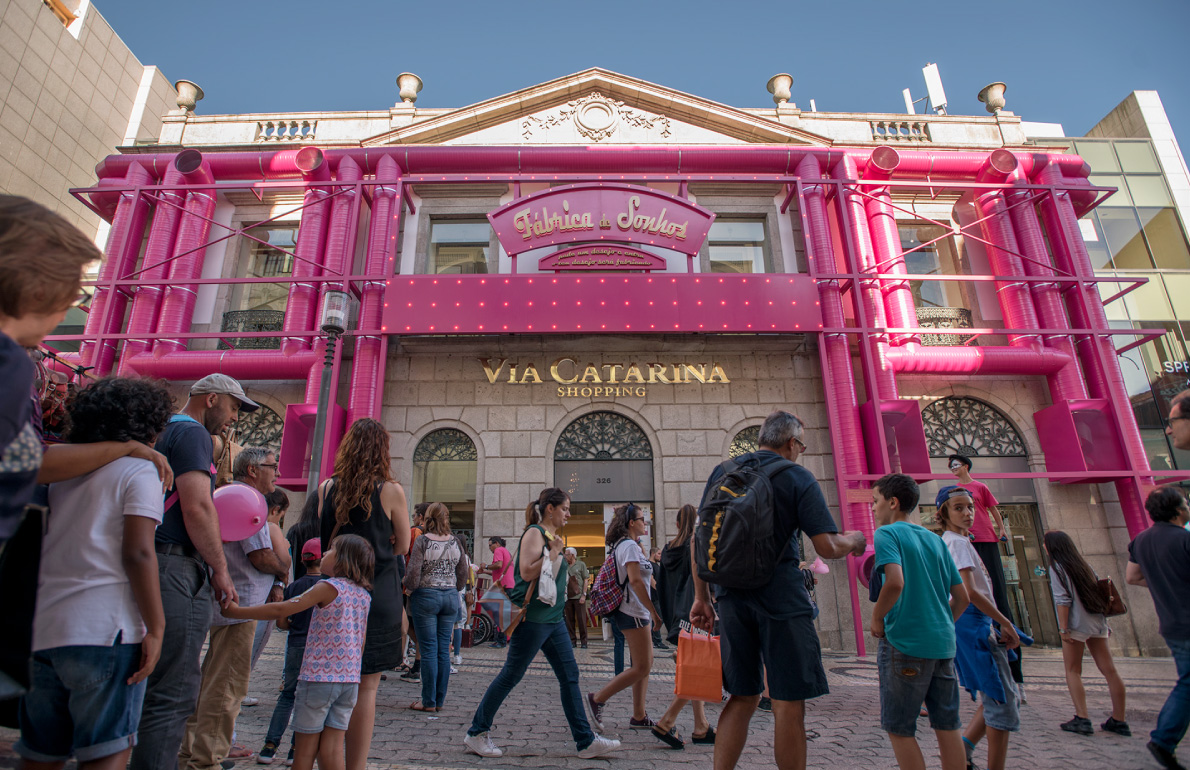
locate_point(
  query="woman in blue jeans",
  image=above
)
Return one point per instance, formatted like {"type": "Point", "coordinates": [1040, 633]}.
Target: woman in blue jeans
{"type": "Point", "coordinates": [437, 571]}
{"type": "Point", "coordinates": [542, 629]}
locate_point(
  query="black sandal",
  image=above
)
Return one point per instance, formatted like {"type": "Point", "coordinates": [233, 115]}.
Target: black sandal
{"type": "Point", "coordinates": [707, 737]}
{"type": "Point", "coordinates": [670, 738]}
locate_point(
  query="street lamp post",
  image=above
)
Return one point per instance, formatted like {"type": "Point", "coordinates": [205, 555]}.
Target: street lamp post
{"type": "Point", "coordinates": [336, 307]}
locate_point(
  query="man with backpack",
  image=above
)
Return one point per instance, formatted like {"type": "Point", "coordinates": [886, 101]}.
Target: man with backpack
{"type": "Point", "coordinates": [753, 511]}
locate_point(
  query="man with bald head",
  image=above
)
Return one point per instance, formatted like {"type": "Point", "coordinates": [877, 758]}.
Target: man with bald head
{"type": "Point", "coordinates": [1178, 429]}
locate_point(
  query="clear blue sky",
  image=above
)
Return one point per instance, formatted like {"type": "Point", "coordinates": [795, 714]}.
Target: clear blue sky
{"type": "Point", "coordinates": [1064, 62]}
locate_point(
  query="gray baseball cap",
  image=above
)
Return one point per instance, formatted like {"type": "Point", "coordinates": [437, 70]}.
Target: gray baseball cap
{"type": "Point", "coordinates": [221, 383]}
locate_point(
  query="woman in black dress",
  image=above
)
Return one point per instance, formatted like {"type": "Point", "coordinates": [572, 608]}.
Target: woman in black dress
{"type": "Point", "coordinates": [362, 499]}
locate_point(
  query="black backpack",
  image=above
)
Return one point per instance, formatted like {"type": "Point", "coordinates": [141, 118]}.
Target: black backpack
{"type": "Point", "coordinates": [736, 542]}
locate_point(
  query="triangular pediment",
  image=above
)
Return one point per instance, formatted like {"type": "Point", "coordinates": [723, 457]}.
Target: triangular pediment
{"type": "Point", "coordinates": [597, 106]}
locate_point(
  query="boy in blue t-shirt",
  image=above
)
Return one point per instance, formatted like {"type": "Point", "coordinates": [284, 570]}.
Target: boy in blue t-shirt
{"type": "Point", "coordinates": [295, 648]}
{"type": "Point", "coordinates": [921, 596]}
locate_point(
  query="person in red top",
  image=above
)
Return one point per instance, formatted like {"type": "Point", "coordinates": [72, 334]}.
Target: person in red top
{"type": "Point", "coordinates": [502, 577]}
{"type": "Point", "coordinates": [986, 533]}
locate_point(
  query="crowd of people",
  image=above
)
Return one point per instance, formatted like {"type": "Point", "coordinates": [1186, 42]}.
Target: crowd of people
{"type": "Point", "coordinates": [131, 579]}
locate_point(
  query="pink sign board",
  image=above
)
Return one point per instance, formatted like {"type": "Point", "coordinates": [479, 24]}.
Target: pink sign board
{"type": "Point", "coordinates": [601, 256]}
{"type": "Point", "coordinates": [602, 211]}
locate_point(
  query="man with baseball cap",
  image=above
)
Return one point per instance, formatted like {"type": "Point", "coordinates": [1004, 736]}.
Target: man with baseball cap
{"type": "Point", "coordinates": [191, 564]}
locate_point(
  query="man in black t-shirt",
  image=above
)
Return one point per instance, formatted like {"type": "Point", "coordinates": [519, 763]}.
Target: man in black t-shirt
{"type": "Point", "coordinates": [769, 631]}
{"type": "Point", "coordinates": [191, 565]}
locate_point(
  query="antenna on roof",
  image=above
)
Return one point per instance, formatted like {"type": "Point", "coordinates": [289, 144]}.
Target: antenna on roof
{"type": "Point", "coordinates": [934, 88]}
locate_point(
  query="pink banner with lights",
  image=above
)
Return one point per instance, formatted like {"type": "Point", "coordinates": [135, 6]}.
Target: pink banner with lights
{"type": "Point", "coordinates": [603, 211]}
{"type": "Point", "coordinates": [568, 304]}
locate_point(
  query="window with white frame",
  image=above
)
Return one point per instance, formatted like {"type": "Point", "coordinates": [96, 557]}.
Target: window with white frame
{"type": "Point", "coordinates": [737, 246]}
{"type": "Point", "coordinates": [459, 246]}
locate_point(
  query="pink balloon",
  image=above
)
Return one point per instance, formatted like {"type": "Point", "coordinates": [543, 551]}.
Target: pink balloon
{"type": "Point", "coordinates": [242, 511]}
{"type": "Point", "coordinates": [819, 567]}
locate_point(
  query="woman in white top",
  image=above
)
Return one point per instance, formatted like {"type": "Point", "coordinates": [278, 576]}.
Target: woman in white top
{"type": "Point", "coordinates": [1082, 624]}
{"type": "Point", "coordinates": [437, 572]}
{"type": "Point", "coordinates": [633, 572]}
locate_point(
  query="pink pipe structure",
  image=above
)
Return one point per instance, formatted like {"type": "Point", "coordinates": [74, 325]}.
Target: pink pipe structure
{"type": "Point", "coordinates": [196, 364]}
{"type": "Point", "coordinates": [1098, 353]}
{"type": "Point", "coordinates": [146, 303]}
{"type": "Point", "coordinates": [886, 245]}
{"type": "Point", "coordinates": [177, 306]}
{"type": "Point", "coordinates": [338, 257]}
{"type": "Point", "coordinates": [301, 311]}
{"type": "Point", "coordinates": [370, 351]}
{"type": "Point", "coordinates": [448, 159]}
{"type": "Point", "coordinates": [912, 359]}
{"type": "Point", "coordinates": [1066, 383]}
{"type": "Point", "coordinates": [836, 353]}
{"type": "Point", "coordinates": [107, 307]}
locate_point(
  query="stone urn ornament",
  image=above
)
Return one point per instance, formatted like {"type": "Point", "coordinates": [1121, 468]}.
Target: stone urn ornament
{"type": "Point", "coordinates": [189, 95]}
{"type": "Point", "coordinates": [410, 85]}
{"type": "Point", "coordinates": [992, 95]}
{"type": "Point", "coordinates": [779, 86]}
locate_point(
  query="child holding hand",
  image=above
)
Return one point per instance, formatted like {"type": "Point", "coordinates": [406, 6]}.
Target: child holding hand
{"type": "Point", "coordinates": [329, 680]}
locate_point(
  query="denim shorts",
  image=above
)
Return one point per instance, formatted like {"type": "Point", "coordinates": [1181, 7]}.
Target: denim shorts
{"type": "Point", "coordinates": [626, 622]}
{"type": "Point", "coordinates": [906, 683]}
{"type": "Point", "coordinates": [1007, 715]}
{"type": "Point", "coordinates": [81, 703]}
{"type": "Point", "coordinates": [323, 704]}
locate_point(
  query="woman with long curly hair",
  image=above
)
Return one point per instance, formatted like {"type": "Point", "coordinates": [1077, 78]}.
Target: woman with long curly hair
{"type": "Point", "coordinates": [1082, 624]}
{"type": "Point", "coordinates": [361, 498]}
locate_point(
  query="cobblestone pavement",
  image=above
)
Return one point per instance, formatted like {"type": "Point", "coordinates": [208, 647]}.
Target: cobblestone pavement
{"type": "Point", "coordinates": [844, 725]}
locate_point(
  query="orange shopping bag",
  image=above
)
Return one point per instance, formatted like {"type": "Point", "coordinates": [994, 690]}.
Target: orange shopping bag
{"type": "Point", "coordinates": [700, 669]}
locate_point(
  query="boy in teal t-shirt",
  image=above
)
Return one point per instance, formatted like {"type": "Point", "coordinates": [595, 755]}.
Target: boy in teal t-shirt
{"type": "Point", "coordinates": [914, 616]}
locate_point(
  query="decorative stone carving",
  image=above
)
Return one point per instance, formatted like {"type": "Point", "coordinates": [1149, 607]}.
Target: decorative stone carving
{"type": "Point", "coordinates": [189, 95]}
{"type": "Point", "coordinates": [595, 117]}
{"type": "Point", "coordinates": [410, 85]}
{"type": "Point", "coordinates": [992, 95]}
{"type": "Point", "coordinates": [779, 86]}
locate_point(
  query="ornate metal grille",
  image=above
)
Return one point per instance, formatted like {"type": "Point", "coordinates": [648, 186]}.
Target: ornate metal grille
{"type": "Point", "coordinates": [747, 440]}
{"type": "Point", "coordinates": [445, 444]}
{"type": "Point", "coordinates": [253, 321]}
{"type": "Point", "coordinates": [970, 427]}
{"type": "Point", "coordinates": [603, 436]}
{"type": "Point", "coordinates": [260, 428]}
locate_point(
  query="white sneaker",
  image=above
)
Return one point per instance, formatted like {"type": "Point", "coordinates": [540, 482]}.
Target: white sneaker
{"type": "Point", "coordinates": [249, 701]}
{"type": "Point", "coordinates": [482, 745]}
{"type": "Point", "coordinates": [599, 747]}
{"type": "Point", "coordinates": [457, 660]}
{"type": "Point", "coordinates": [454, 670]}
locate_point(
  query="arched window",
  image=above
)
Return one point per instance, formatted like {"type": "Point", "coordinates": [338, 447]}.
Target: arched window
{"type": "Point", "coordinates": [969, 427]}
{"type": "Point", "coordinates": [603, 436]}
{"type": "Point", "coordinates": [747, 440]}
{"type": "Point", "coordinates": [259, 428]}
{"type": "Point", "coordinates": [445, 463]}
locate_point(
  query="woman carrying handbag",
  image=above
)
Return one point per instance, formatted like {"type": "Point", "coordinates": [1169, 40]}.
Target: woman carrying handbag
{"type": "Point", "coordinates": [1081, 604]}
{"type": "Point", "coordinates": [542, 628]}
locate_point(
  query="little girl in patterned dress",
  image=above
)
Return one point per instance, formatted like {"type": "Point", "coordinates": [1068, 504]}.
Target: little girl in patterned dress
{"type": "Point", "coordinates": [329, 680]}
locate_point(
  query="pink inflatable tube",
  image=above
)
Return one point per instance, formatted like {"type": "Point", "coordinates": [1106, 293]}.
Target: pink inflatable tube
{"type": "Point", "coordinates": [364, 399]}
{"type": "Point", "coordinates": [123, 248]}
{"type": "Point", "coordinates": [301, 310]}
{"type": "Point", "coordinates": [146, 303]}
{"type": "Point", "coordinates": [438, 159]}
{"type": "Point", "coordinates": [913, 359]}
{"type": "Point", "coordinates": [243, 365]}
{"type": "Point", "coordinates": [177, 306]}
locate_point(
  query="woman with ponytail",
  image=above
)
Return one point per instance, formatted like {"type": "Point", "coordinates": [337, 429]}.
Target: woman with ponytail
{"type": "Point", "coordinates": [1082, 625]}
{"type": "Point", "coordinates": [543, 629]}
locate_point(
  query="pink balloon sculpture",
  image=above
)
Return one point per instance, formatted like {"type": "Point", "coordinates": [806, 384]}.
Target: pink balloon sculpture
{"type": "Point", "coordinates": [242, 511]}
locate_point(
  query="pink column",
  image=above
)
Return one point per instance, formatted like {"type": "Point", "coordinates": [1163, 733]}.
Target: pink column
{"type": "Point", "coordinates": [107, 307]}
{"type": "Point", "coordinates": [146, 304]}
{"type": "Point", "coordinates": [370, 350]}
{"type": "Point", "coordinates": [1098, 353]}
{"type": "Point", "coordinates": [886, 246]}
{"type": "Point", "coordinates": [301, 311]}
{"type": "Point", "coordinates": [177, 307]}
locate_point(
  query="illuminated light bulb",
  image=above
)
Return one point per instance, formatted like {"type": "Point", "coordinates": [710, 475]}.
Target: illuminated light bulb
{"type": "Point", "coordinates": [435, 281]}
{"type": "Point", "coordinates": [797, 326]}
{"type": "Point", "coordinates": [431, 328]}
{"type": "Point", "coordinates": [481, 327]}
{"type": "Point", "coordinates": [650, 303]}
{"type": "Point", "coordinates": [410, 304]}
{"type": "Point", "coordinates": [555, 326]}
{"type": "Point", "coordinates": [722, 302]}
{"type": "Point", "coordinates": [652, 326]}
{"type": "Point", "coordinates": [746, 303]}
{"type": "Point", "coordinates": [408, 328]}
{"type": "Point", "coordinates": [506, 326]}
{"type": "Point", "coordinates": [386, 304]}
{"type": "Point", "coordinates": [505, 304]}
{"type": "Point", "coordinates": [433, 304]}
{"type": "Point", "coordinates": [456, 328]}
